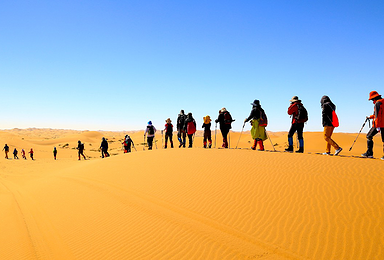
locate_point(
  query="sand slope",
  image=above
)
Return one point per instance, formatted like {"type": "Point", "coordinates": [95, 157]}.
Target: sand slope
{"type": "Point", "coordinates": [188, 203]}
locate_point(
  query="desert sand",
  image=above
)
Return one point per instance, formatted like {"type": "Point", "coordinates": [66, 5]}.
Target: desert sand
{"type": "Point", "coordinates": [189, 203]}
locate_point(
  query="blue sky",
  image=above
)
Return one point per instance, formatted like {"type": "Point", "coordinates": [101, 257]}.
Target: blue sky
{"type": "Point", "coordinates": [115, 65]}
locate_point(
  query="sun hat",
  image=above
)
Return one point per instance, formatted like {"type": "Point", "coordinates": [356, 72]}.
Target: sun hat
{"type": "Point", "coordinates": [373, 95]}
{"type": "Point", "coordinates": [256, 103]}
{"type": "Point", "coordinates": [295, 99]}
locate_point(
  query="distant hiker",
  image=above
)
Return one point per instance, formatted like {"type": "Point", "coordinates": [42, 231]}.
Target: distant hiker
{"type": "Point", "coordinates": [181, 134]}
{"type": "Point", "coordinates": [207, 131]}
{"type": "Point", "coordinates": [15, 154]}
{"type": "Point", "coordinates": [150, 132]}
{"type": "Point", "coordinates": [330, 121]}
{"type": "Point", "coordinates": [225, 120]}
{"type": "Point", "coordinates": [6, 150]}
{"type": "Point", "coordinates": [299, 117]}
{"type": "Point", "coordinates": [104, 148]}
{"type": "Point", "coordinates": [80, 148]}
{"type": "Point", "coordinates": [23, 154]}
{"type": "Point", "coordinates": [54, 152]}
{"type": "Point", "coordinates": [378, 123]}
{"type": "Point", "coordinates": [127, 144]}
{"type": "Point", "coordinates": [31, 153]}
{"type": "Point", "coordinates": [168, 132]}
{"type": "Point", "coordinates": [190, 126]}
{"type": "Point", "coordinates": [258, 122]}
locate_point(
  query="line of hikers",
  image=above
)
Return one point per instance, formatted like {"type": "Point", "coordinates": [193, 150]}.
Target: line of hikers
{"type": "Point", "coordinates": [15, 153]}
{"type": "Point", "coordinates": [186, 126]}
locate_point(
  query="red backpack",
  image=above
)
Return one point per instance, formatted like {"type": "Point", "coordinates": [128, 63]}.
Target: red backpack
{"type": "Point", "coordinates": [191, 129]}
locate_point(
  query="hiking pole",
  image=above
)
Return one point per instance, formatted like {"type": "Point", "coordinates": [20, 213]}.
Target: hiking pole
{"type": "Point", "coordinates": [154, 139]}
{"type": "Point", "coordinates": [162, 139]}
{"type": "Point", "coordinates": [229, 139]}
{"type": "Point", "coordinates": [215, 133]}
{"type": "Point", "coordinates": [144, 143]}
{"type": "Point", "coordinates": [367, 119]}
{"type": "Point", "coordinates": [271, 141]}
{"type": "Point", "coordinates": [240, 135]}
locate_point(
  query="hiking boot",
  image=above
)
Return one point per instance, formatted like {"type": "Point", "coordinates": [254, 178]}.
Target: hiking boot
{"type": "Point", "coordinates": [209, 145]}
{"type": "Point", "coordinates": [338, 151]}
{"type": "Point", "coordinates": [382, 158]}
{"type": "Point", "coordinates": [301, 150]}
{"type": "Point", "coordinates": [181, 144]}
{"type": "Point", "coordinates": [289, 149]}
{"type": "Point", "coordinates": [327, 153]}
{"type": "Point", "coordinates": [367, 155]}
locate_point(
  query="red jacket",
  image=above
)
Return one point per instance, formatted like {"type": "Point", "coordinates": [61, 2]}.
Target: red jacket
{"type": "Point", "coordinates": [293, 111]}
{"type": "Point", "coordinates": [378, 116]}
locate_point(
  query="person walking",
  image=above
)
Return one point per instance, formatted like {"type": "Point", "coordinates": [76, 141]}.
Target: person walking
{"type": "Point", "coordinates": [54, 152]}
{"type": "Point", "coordinates": [150, 132]}
{"type": "Point", "coordinates": [181, 134]}
{"type": "Point", "coordinates": [23, 154]}
{"type": "Point", "coordinates": [128, 142]}
{"type": "Point", "coordinates": [329, 124]}
{"type": "Point", "coordinates": [225, 120]}
{"type": "Point", "coordinates": [299, 117]}
{"type": "Point", "coordinates": [378, 123]}
{"type": "Point", "coordinates": [15, 154]}
{"type": "Point", "coordinates": [31, 154]}
{"type": "Point", "coordinates": [80, 148]}
{"type": "Point", "coordinates": [258, 122]}
{"type": "Point", "coordinates": [190, 126]}
{"type": "Point", "coordinates": [104, 148]}
{"type": "Point", "coordinates": [168, 132]}
{"type": "Point", "coordinates": [6, 150]}
{"type": "Point", "coordinates": [207, 131]}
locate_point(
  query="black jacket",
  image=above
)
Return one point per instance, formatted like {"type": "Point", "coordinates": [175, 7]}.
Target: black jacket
{"type": "Point", "coordinates": [255, 113]}
{"type": "Point", "coordinates": [327, 108]}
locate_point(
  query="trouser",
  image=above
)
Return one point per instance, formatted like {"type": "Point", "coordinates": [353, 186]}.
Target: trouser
{"type": "Point", "coordinates": [127, 149]}
{"type": "Point", "coordinates": [190, 137]}
{"type": "Point", "coordinates": [81, 153]}
{"type": "Point", "coordinates": [224, 132]}
{"type": "Point", "coordinates": [296, 127]}
{"type": "Point", "coordinates": [181, 136]}
{"type": "Point", "coordinates": [328, 131]}
{"type": "Point", "coordinates": [150, 142]}
{"type": "Point", "coordinates": [104, 153]}
{"type": "Point", "coordinates": [6, 154]}
{"type": "Point", "coordinates": [207, 136]}
{"type": "Point", "coordinates": [54, 155]}
{"type": "Point", "coordinates": [372, 132]}
{"type": "Point", "coordinates": [170, 140]}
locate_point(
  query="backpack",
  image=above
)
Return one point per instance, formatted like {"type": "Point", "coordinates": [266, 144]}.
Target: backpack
{"type": "Point", "coordinates": [151, 131]}
{"type": "Point", "coordinates": [302, 114]}
{"type": "Point", "coordinates": [169, 128]}
{"type": "Point", "coordinates": [335, 119]}
{"type": "Point", "coordinates": [263, 121]}
{"type": "Point", "coordinates": [227, 118]}
{"type": "Point", "coordinates": [191, 129]}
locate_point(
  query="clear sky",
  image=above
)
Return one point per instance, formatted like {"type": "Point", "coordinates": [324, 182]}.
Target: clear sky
{"type": "Point", "coordinates": [115, 65]}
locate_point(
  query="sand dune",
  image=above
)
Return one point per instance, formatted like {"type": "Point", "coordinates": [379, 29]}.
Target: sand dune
{"type": "Point", "coordinates": [189, 203]}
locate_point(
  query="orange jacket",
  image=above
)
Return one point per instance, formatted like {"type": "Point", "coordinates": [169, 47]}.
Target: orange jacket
{"type": "Point", "coordinates": [378, 116]}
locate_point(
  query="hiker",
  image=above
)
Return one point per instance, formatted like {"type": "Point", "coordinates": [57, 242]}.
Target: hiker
{"type": "Point", "coordinates": [15, 154]}
{"type": "Point", "coordinates": [151, 130]}
{"type": "Point", "coordinates": [23, 154]}
{"type": "Point", "coordinates": [190, 126]}
{"type": "Point", "coordinates": [6, 150]}
{"type": "Point", "coordinates": [258, 122]}
{"type": "Point", "coordinates": [207, 131]}
{"type": "Point", "coordinates": [330, 121]}
{"type": "Point", "coordinates": [127, 144]}
{"type": "Point", "coordinates": [378, 123]}
{"type": "Point", "coordinates": [104, 148]}
{"type": "Point", "coordinates": [299, 117]}
{"type": "Point", "coordinates": [225, 120]}
{"type": "Point", "coordinates": [80, 148]}
{"type": "Point", "coordinates": [168, 132]}
{"type": "Point", "coordinates": [181, 134]}
{"type": "Point", "coordinates": [31, 154]}
{"type": "Point", "coordinates": [54, 152]}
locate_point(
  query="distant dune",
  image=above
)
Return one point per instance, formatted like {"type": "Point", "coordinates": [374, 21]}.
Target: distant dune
{"type": "Point", "coordinates": [189, 203]}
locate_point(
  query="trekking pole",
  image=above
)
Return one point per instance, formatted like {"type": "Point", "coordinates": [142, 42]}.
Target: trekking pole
{"type": "Point", "coordinates": [367, 119]}
{"type": "Point", "coordinates": [215, 133]}
{"type": "Point", "coordinates": [154, 139]}
{"type": "Point", "coordinates": [134, 147]}
{"type": "Point", "coordinates": [271, 141]}
{"type": "Point", "coordinates": [240, 135]}
{"type": "Point", "coordinates": [162, 140]}
{"type": "Point", "coordinates": [229, 139]}
{"type": "Point", "coordinates": [144, 143]}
